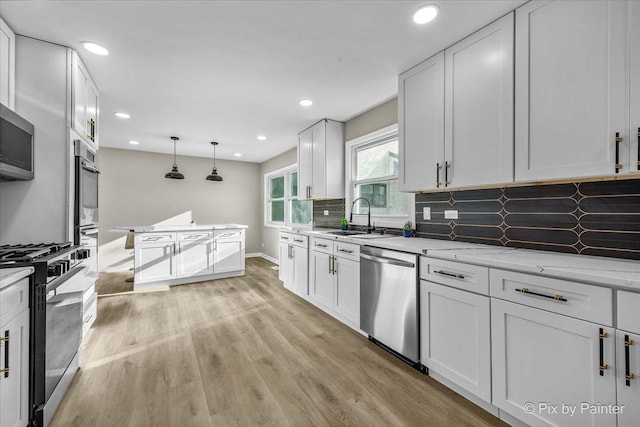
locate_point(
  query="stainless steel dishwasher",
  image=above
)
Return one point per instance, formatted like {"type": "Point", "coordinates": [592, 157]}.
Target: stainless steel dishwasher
{"type": "Point", "coordinates": [389, 300]}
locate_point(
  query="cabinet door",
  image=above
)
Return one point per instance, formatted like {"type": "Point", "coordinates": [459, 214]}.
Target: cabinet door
{"type": "Point", "coordinates": [542, 357]}
{"type": "Point", "coordinates": [455, 336]}
{"type": "Point", "coordinates": [195, 258]}
{"type": "Point", "coordinates": [7, 65]}
{"type": "Point", "coordinates": [347, 289]}
{"type": "Point", "coordinates": [318, 160]}
{"type": "Point", "coordinates": [634, 89]}
{"type": "Point", "coordinates": [284, 264]}
{"type": "Point", "coordinates": [300, 273]}
{"type": "Point", "coordinates": [421, 125]}
{"type": "Point", "coordinates": [228, 255]}
{"type": "Point", "coordinates": [628, 357]}
{"type": "Point", "coordinates": [570, 88]}
{"type": "Point", "coordinates": [321, 279]}
{"type": "Point", "coordinates": [305, 147]}
{"type": "Point", "coordinates": [156, 262]}
{"type": "Point", "coordinates": [92, 112]}
{"type": "Point", "coordinates": [80, 82]}
{"type": "Point", "coordinates": [14, 384]}
{"type": "Point", "coordinates": [479, 107]}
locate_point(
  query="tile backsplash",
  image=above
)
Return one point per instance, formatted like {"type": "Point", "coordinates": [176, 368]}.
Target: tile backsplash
{"type": "Point", "coordinates": [590, 218]}
{"type": "Point", "coordinates": [336, 213]}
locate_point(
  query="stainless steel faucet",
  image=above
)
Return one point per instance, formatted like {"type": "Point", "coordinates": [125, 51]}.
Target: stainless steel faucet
{"type": "Point", "coordinates": [369, 227]}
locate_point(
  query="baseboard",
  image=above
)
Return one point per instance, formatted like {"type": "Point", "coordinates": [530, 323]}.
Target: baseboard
{"type": "Point", "coordinates": [263, 255]}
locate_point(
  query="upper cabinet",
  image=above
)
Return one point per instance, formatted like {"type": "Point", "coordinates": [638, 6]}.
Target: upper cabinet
{"type": "Point", "coordinates": [634, 81]}
{"type": "Point", "coordinates": [7, 65]}
{"type": "Point", "coordinates": [572, 89]}
{"type": "Point", "coordinates": [456, 114]}
{"type": "Point", "coordinates": [321, 161]}
{"type": "Point", "coordinates": [84, 95]}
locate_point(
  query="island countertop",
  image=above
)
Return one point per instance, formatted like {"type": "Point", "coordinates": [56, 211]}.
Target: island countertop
{"type": "Point", "coordinates": [187, 227]}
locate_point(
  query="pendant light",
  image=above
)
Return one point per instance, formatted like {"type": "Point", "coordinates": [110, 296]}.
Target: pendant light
{"type": "Point", "coordinates": [213, 176]}
{"type": "Point", "coordinates": [174, 174]}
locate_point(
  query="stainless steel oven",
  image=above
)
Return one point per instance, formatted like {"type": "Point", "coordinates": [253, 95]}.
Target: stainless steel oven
{"type": "Point", "coordinates": [86, 188]}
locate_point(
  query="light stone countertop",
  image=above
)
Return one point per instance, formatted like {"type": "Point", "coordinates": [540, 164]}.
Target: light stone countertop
{"type": "Point", "coordinates": [9, 276]}
{"type": "Point", "coordinates": [602, 271]}
{"type": "Point", "coordinates": [188, 227]}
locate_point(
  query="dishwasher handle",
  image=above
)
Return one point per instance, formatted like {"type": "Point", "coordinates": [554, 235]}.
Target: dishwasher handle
{"type": "Point", "coordinates": [385, 260]}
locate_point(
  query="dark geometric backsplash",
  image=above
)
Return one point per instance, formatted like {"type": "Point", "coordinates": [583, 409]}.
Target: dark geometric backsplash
{"type": "Point", "coordinates": [589, 218]}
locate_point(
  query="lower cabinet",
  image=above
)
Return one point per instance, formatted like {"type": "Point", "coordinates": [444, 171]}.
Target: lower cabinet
{"type": "Point", "coordinates": [455, 336]}
{"type": "Point", "coordinates": [194, 258]}
{"type": "Point", "coordinates": [628, 377]}
{"type": "Point", "coordinates": [294, 263]}
{"type": "Point", "coordinates": [545, 365]}
{"type": "Point", "coordinates": [228, 254]}
{"type": "Point", "coordinates": [14, 355]}
{"type": "Point", "coordinates": [334, 279]}
{"type": "Point", "coordinates": [155, 262]}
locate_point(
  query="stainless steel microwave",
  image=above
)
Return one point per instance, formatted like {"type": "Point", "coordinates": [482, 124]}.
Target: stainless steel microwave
{"type": "Point", "coordinates": [16, 146]}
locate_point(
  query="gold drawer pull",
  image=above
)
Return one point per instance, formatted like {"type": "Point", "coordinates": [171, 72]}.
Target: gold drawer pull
{"type": "Point", "coordinates": [321, 245]}
{"type": "Point", "coordinates": [455, 275]}
{"type": "Point", "coordinates": [345, 250]}
{"type": "Point", "coordinates": [556, 297]}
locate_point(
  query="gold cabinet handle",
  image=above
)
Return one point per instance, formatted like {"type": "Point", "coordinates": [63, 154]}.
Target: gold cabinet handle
{"type": "Point", "coordinates": [618, 140]}
{"type": "Point", "coordinates": [455, 275]}
{"type": "Point", "coordinates": [346, 251]}
{"type": "Point", "coordinates": [556, 297]}
{"type": "Point", "coordinates": [438, 182]}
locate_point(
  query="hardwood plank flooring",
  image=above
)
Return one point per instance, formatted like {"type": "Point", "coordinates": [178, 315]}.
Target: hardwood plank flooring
{"type": "Point", "coordinates": [245, 351]}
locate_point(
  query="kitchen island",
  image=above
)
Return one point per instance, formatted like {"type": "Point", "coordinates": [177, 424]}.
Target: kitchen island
{"type": "Point", "coordinates": [170, 255]}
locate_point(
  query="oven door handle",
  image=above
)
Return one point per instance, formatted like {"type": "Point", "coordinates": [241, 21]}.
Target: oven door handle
{"type": "Point", "coordinates": [89, 231]}
{"type": "Point", "coordinates": [88, 167]}
{"type": "Point", "coordinates": [53, 286]}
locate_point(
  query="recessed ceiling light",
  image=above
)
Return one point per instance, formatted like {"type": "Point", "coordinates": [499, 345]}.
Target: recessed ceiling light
{"type": "Point", "coordinates": [262, 137]}
{"type": "Point", "coordinates": [425, 14]}
{"type": "Point", "coordinates": [121, 115]}
{"type": "Point", "coordinates": [134, 142]}
{"type": "Point", "coordinates": [306, 102]}
{"type": "Point", "coordinates": [95, 48]}
{"type": "Point", "coordinates": [237, 154]}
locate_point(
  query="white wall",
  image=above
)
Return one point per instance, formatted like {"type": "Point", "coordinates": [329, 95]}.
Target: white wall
{"type": "Point", "coordinates": [134, 191]}
{"type": "Point", "coordinates": [36, 210]}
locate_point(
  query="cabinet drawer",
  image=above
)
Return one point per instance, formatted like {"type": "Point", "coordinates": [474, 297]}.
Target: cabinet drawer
{"type": "Point", "coordinates": [459, 275]}
{"type": "Point", "coordinates": [587, 302]}
{"type": "Point", "coordinates": [300, 240]}
{"type": "Point", "coordinates": [155, 237]}
{"type": "Point", "coordinates": [195, 235]}
{"type": "Point", "coordinates": [347, 250]}
{"type": "Point", "coordinates": [229, 234]}
{"type": "Point", "coordinates": [14, 299]}
{"type": "Point", "coordinates": [286, 237]}
{"type": "Point", "coordinates": [322, 245]}
{"type": "Point", "coordinates": [629, 311]}
{"type": "Point", "coordinates": [90, 312]}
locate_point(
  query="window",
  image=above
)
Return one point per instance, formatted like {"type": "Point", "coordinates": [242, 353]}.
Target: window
{"type": "Point", "coordinates": [372, 169]}
{"type": "Point", "coordinates": [282, 204]}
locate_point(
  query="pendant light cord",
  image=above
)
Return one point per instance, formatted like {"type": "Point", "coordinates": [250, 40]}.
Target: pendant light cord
{"type": "Point", "coordinates": [174, 153]}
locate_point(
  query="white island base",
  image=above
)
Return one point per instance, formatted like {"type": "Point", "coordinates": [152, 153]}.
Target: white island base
{"type": "Point", "coordinates": [173, 255]}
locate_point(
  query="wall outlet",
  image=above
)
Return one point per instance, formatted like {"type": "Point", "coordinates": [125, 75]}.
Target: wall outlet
{"type": "Point", "coordinates": [451, 214]}
{"type": "Point", "coordinates": [426, 214]}
{"type": "Point", "coordinates": [326, 213]}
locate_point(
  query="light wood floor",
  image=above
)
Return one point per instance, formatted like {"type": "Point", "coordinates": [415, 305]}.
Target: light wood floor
{"type": "Point", "coordinates": [244, 351]}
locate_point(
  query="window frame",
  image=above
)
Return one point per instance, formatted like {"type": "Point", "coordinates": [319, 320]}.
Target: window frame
{"type": "Point", "coordinates": [351, 147]}
{"type": "Point", "coordinates": [286, 173]}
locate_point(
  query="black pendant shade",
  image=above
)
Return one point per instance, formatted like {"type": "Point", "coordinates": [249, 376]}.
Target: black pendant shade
{"type": "Point", "coordinates": [213, 176]}
{"type": "Point", "coordinates": [174, 173]}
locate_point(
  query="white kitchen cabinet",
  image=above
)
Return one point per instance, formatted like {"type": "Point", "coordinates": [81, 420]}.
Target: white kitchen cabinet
{"type": "Point", "coordinates": [155, 262]}
{"type": "Point", "coordinates": [294, 262]}
{"type": "Point", "coordinates": [479, 107]}
{"type": "Point", "coordinates": [628, 377]}
{"type": "Point", "coordinates": [85, 106]}
{"type": "Point", "coordinates": [14, 343]}
{"type": "Point", "coordinates": [421, 125]}
{"type": "Point", "coordinates": [321, 161]}
{"type": "Point", "coordinates": [334, 279]}
{"type": "Point", "coordinates": [571, 89]}
{"type": "Point", "coordinates": [228, 251]}
{"type": "Point", "coordinates": [7, 65]}
{"type": "Point", "coordinates": [543, 357]}
{"type": "Point", "coordinates": [195, 254]}
{"type": "Point", "coordinates": [455, 113]}
{"type": "Point", "coordinates": [321, 278]}
{"type": "Point", "coordinates": [455, 336]}
{"type": "Point", "coordinates": [634, 88]}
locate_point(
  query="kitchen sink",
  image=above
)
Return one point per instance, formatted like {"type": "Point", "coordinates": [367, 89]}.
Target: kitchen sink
{"type": "Point", "coordinates": [345, 232]}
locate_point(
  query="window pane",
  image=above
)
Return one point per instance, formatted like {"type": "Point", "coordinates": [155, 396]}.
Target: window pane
{"type": "Point", "coordinates": [384, 197]}
{"type": "Point", "coordinates": [301, 211]}
{"type": "Point", "coordinates": [377, 161]}
{"type": "Point", "coordinates": [277, 187]}
{"type": "Point", "coordinates": [294, 184]}
{"type": "Point", "coordinates": [277, 211]}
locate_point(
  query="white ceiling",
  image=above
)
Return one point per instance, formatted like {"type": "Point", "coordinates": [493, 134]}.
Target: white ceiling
{"type": "Point", "coordinates": [232, 70]}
